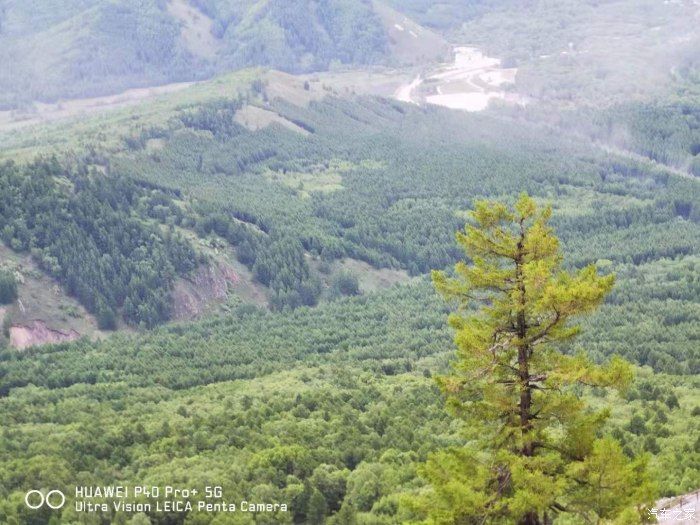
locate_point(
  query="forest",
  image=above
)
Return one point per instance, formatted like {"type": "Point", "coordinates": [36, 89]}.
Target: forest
{"type": "Point", "coordinates": [111, 46]}
{"type": "Point", "coordinates": [406, 174]}
{"type": "Point", "coordinates": [282, 407]}
{"type": "Point", "coordinates": [88, 237]}
{"type": "Point", "coordinates": [318, 391]}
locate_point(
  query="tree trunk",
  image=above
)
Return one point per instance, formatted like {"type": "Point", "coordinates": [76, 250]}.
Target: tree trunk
{"type": "Point", "coordinates": [525, 404]}
{"type": "Point", "coordinates": [531, 518]}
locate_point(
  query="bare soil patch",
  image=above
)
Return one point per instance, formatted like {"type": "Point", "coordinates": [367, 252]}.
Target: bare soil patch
{"type": "Point", "coordinates": [196, 32]}
{"type": "Point", "coordinates": [38, 333]}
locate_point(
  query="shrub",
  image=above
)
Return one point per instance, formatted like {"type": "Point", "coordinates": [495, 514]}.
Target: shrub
{"type": "Point", "coordinates": [344, 283]}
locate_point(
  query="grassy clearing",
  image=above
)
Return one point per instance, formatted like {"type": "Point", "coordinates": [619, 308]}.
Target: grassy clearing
{"type": "Point", "coordinates": [255, 118]}
{"type": "Point", "coordinates": [323, 177]}
{"type": "Point", "coordinates": [573, 201]}
{"type": "Point", "coordinates": [196, 30]}
{"type": "Point", "coordinates": [410, 43]}
{"type": "Point", "coordinates": [370, 278]}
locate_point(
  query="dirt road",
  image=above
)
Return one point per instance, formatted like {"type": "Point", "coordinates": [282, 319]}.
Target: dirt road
{"type": "Point", "coordinates": [684, 510]}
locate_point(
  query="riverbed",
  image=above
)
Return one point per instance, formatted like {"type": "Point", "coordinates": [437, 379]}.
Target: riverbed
{"type": "Point", "coordinates": [470, 82]}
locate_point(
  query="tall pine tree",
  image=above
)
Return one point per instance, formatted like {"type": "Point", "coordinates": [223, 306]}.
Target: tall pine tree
{"type": "Point", "coordinates": [533, 450]}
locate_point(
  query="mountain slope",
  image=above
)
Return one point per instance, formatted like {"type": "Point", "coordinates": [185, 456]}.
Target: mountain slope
{"type": "Point", "coordinates": [284, 179]}
{"type": "Point", "coordinates": [92, 49]}
{"type": "Point", "coordinates": [81, 48]}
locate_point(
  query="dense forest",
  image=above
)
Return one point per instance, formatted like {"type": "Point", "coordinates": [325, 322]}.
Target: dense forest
{"type": "Point", "coordinates": [297, 35]}
{"type": "Point", "coordinates": [110, 46]}
{"type": "Point", "coordinates": [279, 407]}
{"type": "Point", "coordinates": [85, 230]}
{"type": "Point", "coordinates": [405, 176]}
{"type": "Point", "coordinates": [372, 180]}
{"type": "Point", "coordinates": [666, 133]}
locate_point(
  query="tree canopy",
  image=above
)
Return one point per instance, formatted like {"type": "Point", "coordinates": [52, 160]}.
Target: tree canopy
{"type": "Point", "coordinates": [533, 448]}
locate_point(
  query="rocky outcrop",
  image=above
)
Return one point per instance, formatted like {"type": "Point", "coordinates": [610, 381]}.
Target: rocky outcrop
{"type": "Point", "coordinates": [208, 286]}
{"type": "Point", "coordinates": [38, 333]}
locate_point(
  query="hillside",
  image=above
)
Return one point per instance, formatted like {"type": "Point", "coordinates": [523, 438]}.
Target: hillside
{"type": "Point", "coordinates": [66, 49]}
{"type": "Point", "coordinates": [272, 177]}
{"type": "Point", "coordinates": [43, 312]}
{"type": "Point", "coordinates": [279, 406]}
{"type": "Point", "coordinates": [55, 50]}
{"type": "Point", "coordinates": [576, 52]}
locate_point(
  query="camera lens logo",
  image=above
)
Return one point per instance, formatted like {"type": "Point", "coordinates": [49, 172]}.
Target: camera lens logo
{"type": "Point", "coordinates": [54, 499]}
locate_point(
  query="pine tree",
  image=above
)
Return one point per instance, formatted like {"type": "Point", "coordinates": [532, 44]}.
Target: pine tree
{"type": "Point", "coordinates": [106, 316]}
{"type": "Point", "coordinates": [316, 513]}
{"type": "Point", "coordinates": [532, 449]}
{"type": "Point", "coordinates": [8, 287]}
